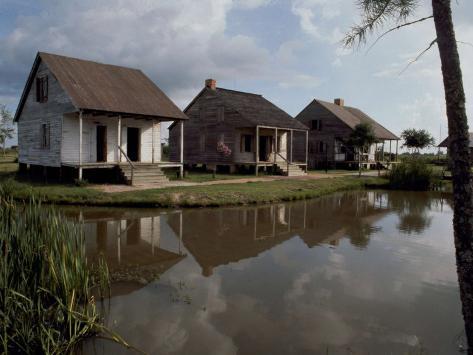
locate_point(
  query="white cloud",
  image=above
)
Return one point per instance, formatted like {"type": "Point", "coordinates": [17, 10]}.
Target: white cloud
{"type": "Point", "coordinates": [314, 15]}
{"type": "Point", "coordinates": [251, 4]}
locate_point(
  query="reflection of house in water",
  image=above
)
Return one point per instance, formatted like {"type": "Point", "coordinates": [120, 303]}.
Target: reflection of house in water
{"type": "Point", "coordinates": [349, 215]}
{"type": "Point", "coordinates": [130, 242]}
{"type": "Point", "coordinates": [218, 237]}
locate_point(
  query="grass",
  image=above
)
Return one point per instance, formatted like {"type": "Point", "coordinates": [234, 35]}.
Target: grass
{"type": "Point", "coordinates": [195, 176]}
{"type": "Point", "coordinates": [193, 196]}
{"type": "Point", "coordinates": [46, 301]}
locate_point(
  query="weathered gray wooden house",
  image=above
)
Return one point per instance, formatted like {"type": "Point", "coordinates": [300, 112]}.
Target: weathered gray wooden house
{"type": "Point", "coordinates": [83, 116]}
{"type": "Point", "coordinates": [234, 129]}
{"type": "Point", "coordinates": [445, 142]}
{"type": "Point", "coordinates": [331, 125]}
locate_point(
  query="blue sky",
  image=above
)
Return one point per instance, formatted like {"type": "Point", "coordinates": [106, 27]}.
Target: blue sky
{"type": "Point", "coordinates": [287, 50]}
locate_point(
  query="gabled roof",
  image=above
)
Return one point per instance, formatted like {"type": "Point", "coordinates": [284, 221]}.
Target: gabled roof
{"type": "Point", "coordinates": [352, 116]}
{"type": "Point", "coordinates": [105, 88]}
{"type": "Point", "coordinates": [444, 143]}
{"type": "Point", "coordinates": [254, 108]}
{"type": "Point", "coordinates": [259, 111]}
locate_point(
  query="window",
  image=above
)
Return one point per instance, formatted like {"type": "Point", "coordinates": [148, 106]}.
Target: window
{"type": "Point", "coordinates": [44, 136]}
{"type": "Point", "coordinates": [245, 143]}
{"type": "Point", "coordinates": [202, 142]}
{"type": "Point", "coordinates": [220, 114]}
{"type": "Point", "coordinates": [42, 89]}
{"type": "Point", "coordinates": [316, 125]}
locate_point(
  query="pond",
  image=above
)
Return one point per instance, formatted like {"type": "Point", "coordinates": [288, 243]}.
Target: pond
{"type": "Point", "coordinates": [369, 272]}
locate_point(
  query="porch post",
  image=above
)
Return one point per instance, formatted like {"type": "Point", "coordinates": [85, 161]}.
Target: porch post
{"type": "Point", "coordinates": [80, 145]}
{"type": "Point", "coordinates": [275, 144]}
{"type": "Point", "coordinates": [152, 141]}
{"type": "Point", "coordinates": [397, 142]}
{"type": "Point", "coordinates": [182, 151]}
{"type": "Point", "coordinates": [306, 150]}
{"type": "Point", "coordinates": [292, 141]}
{"type": "Point", "coordinates": [390, 153]}
{"type": "Point", "coordinates": [257, 151]}
{"type": "Point", "coordinates": [119, 138]}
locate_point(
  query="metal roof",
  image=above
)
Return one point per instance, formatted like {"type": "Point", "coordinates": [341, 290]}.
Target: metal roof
{"type": "Point", "coordinates": [353, 116]}
{"type": "Point", "coordinates": [106, 88]}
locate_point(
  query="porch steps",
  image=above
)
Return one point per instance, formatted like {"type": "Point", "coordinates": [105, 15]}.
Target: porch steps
{"type": "Point", "coordinates": [291, 170]}
{"type": "Point", "coordinates": [143, 174]}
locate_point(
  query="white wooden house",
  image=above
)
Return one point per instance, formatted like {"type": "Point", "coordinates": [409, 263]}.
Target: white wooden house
{"type": "Point", "coordinates": [79, 114]}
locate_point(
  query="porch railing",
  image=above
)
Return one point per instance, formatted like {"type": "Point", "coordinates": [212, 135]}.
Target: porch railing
{"type": "Point", "coordinates": [128, 160]}
{"type": "Point", "coordinates": [287, 161]}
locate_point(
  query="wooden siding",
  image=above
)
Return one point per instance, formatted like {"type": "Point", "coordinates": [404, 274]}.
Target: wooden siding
{"type": "Point", "coordinates": [34, 114]}
{"type": "Point", "coordinates": [70, 137]}
{"type": "Point", "coordinates": [204, 122]}
{"type": "Point", "coordinates": [332, 128]}
{"type": "Point", "coordinates": [206, 127]}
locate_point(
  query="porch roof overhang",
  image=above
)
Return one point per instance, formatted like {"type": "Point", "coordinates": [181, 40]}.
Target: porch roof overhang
{"type": "Point", "coordinates": [116, 114]}
{"type": "Point", "coordinates": [280, 128]}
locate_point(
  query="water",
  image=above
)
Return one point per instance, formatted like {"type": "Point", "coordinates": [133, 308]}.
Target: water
{"type": "Point", "coordinates": [353, 273]}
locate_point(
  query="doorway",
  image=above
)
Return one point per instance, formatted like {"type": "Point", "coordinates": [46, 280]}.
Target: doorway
{"type": "Point", "coordinates": [101, 143]}
{"type": "Point", "coordinates": [133, 143]}
{"type": "Point", "coordinates": [264, 148]}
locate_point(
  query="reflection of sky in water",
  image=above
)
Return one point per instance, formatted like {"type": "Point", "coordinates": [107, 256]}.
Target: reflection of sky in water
{"type": "Point", "coordinates": [384, 288]}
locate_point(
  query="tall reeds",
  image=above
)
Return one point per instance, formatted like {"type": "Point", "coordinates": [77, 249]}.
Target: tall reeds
{"type": "Point", "coordinates": [46, 301]}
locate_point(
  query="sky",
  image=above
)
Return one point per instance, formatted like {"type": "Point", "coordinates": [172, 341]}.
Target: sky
{"type": "Point", "coordinates": [287, 50]}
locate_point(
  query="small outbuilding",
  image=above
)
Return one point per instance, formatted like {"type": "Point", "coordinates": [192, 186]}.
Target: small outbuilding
{"type": "Point", "coordinates": [83, 117]}
{"type": "Point", "coordinates": [236, 130]}
{"type": "Point", "coordinates": [331, 125]}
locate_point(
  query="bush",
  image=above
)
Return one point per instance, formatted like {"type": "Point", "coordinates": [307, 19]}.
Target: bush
{"type": "Point", "coordinates": [411, 174]}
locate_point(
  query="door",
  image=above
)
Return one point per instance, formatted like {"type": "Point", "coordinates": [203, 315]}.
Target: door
{"type": "Point", "coordinates": [263, 148]}
{"type": "Point", "coordinates": [101, 143]}
{"type": "Point", "coordinates": [133, 143]}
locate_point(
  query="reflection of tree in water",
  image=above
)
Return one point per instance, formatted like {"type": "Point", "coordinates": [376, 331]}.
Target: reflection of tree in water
{"type": "Point", "coordinates": [413, 212]}
{"type": "Point", "coordinates": [360, 233]}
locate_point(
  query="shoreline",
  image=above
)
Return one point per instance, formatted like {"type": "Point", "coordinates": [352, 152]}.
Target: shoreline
{"type": "Point", "coordinates": [218, 195]}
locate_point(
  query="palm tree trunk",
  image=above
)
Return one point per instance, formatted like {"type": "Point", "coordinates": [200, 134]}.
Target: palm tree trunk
{"type": "Point", "coordinates": [458, 147]}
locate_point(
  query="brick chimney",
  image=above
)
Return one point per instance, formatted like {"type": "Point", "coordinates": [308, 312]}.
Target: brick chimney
{"type": "Point", "coordinates": [339, 102]}
{"type": "Point", "coordinates": [211, 84]}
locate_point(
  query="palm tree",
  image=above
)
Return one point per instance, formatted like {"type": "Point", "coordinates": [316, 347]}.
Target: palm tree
{"type": "Point", "coordinates": [375, 14]}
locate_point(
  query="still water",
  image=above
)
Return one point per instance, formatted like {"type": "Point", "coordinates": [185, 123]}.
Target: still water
{"type": "Point", "coordinates": [368, 272]}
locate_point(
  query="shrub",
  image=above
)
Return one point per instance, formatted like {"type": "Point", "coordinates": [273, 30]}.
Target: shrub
{"type": "Point", "coordinates": [411, 174]}
{"type": "Point", "coordinates": [46, 301]}
{"type": "Point", "coordinates": [81, 182]}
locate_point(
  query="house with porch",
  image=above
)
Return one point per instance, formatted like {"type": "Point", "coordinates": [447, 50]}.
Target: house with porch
{"type": "Point", "coordinates": [91, 120]}
{"type": "Point", "coordinates": [236, 130]}
{"type": "Point", "coordinates": [445, 143]}
{"type": "Point", "coordinates": [331, 125]}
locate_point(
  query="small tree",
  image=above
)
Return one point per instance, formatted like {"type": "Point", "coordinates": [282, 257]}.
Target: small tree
{"type": "Point", "coordinates": [6, 126]}
{"type": "Point", "coordinates": [417, 139]}
{"type": "Point", "coordinates": [362, 138]}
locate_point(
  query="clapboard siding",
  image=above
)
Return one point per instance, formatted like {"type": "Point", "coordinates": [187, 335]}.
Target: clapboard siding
{"type": "Point", "coordinates": [332, 128]}
{"type": "Point", "coordinates": [203, 131]}
{"type": "Point", "coordinates": [70, 136]}
{"type": "Point", "coordinates": [34, 114]}
{"type": "Point", "coordinates": [206, 127]}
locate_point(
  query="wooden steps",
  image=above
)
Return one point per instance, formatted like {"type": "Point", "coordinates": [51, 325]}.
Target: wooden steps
{"type": "Point", "coordinates": [289, 170]}
{"type": "Point", "coordinates": [143, 174]}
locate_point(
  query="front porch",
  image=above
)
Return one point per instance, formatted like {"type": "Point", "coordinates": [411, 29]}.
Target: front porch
{"type": "Point", "coordinates": [129, 143]}
{"type": "Point", "coordinates": [266, 146]}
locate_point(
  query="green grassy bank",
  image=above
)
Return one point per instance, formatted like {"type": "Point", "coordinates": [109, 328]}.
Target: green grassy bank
{"type": "Point", "coordinates": [192, 196]}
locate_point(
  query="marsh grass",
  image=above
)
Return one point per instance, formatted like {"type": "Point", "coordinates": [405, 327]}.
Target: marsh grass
{"type": "Point", "coordinates": [46, 301]}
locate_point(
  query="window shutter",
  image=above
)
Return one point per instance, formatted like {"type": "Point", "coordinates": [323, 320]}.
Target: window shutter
{"type": "Point", "coordinates": [45, 88]}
